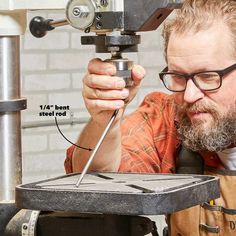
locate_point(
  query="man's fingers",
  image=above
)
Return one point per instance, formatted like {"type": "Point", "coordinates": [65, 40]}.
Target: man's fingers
{"type": "Point", "coordinates": [105, 94]}
{"type": "Point", "coordinates": [104, 82]}
{"type": "Point", "coordinates": [99, 67]}
{"type": "Point", "coordinates": [138, 73]}
{"type": "Point", "coordinates": [104, 91]}
{"type": "Point", "coordinates": [103, 105]}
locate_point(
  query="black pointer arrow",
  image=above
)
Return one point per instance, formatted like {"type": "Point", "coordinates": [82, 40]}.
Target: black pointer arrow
{"type": "Point", "coordinates": [88, 149]}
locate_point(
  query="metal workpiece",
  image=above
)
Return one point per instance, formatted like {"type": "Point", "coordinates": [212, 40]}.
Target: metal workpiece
{"type": "Point", "coordinates": [123, 69]}
{"type": "Point", "coordinates": [10, 121]}
{"type": "Point", "coordinates": [116, 193]}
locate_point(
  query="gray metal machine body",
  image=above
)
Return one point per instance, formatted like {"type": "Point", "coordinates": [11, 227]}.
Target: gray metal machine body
{"type": "Point", "coordinates": [116, 22]}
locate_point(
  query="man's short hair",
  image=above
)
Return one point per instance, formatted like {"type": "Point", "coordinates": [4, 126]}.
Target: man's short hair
{"type": "Point", "coordinates": [198, 15]}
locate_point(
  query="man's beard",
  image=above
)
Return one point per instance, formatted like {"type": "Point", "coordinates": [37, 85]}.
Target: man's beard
{"type": "Point", "coordinates": [219, 135]}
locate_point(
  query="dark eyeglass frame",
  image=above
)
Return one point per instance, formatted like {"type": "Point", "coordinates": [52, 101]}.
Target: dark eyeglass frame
{"type": "Point", "coordinates": [191, 76]}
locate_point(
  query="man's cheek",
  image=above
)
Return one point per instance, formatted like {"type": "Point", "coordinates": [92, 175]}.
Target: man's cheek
{"type": "Point", "coordinates": [179, 97]}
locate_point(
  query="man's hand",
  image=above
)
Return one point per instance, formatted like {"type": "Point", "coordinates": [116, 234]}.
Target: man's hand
{"type": "Point", "coordinates": [104, 92]}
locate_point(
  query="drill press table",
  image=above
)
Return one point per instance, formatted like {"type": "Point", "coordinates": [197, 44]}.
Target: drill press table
{"type": "Point", "coordinates": [116, 193]}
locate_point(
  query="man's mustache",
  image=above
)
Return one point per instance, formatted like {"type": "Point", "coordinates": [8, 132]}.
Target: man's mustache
{"type": "Point", "coordinates": [199, 107]}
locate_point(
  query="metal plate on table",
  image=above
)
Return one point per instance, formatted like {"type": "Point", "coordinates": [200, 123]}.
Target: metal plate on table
{"type": "Point", "coordinates": [119, 193]}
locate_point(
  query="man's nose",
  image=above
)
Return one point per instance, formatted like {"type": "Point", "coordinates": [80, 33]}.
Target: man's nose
{"type": "Point", "coordinates": [192, 93]}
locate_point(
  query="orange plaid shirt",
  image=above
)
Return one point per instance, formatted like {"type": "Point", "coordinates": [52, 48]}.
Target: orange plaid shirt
{"type": "Point", "coordinates": [149, 140]}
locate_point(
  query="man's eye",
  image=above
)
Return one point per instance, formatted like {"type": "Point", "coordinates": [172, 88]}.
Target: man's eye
{"type": "Point", "coordinates": [207, 76]}
{"type": "Point", "coordinates": [177, 77]}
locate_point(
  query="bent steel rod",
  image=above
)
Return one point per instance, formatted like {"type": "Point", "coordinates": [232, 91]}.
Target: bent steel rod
{"type": "Point", "coordinates": [96, 148]}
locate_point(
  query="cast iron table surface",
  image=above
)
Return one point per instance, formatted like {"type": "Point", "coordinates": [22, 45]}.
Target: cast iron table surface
{"type": "Point", "coordinates": [119, 193]}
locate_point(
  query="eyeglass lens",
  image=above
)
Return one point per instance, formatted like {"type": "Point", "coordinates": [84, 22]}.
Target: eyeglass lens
{"type": "Point", "coordinates": [204, 81]}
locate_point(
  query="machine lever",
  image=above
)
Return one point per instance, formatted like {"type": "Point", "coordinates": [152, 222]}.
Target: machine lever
{"type": "Point", "coordinates": [39, 26]}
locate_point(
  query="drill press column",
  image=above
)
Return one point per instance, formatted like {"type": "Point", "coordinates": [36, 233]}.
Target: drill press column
{"type": "Point", "coordinates": [13, 24]}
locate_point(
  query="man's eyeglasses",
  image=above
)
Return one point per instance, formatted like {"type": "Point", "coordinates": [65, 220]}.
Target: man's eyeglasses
{"type": "Point", "coordinates": [205, 81]}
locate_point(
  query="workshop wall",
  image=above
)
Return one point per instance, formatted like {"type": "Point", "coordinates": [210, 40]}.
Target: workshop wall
{"type": "Point", "coordinates": [52, 72]}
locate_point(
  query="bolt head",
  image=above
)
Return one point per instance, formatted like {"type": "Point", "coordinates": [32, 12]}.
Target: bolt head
{"type": "Point", "coordinates": [81, 11]}
{"type": "Point", "coordinates": [25, 227]}
{"type": "Point", "coordinates": [104, 3]}
{"type": "Point", "coordinates": [76, 11]}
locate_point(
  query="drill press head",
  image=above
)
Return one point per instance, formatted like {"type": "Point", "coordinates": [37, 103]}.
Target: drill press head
{"type": "Point", "coordinates": [115, 22]}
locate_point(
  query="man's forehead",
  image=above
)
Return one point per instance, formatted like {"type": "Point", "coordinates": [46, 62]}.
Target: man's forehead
{"type": "Point", "coordinates": [206, 48]}
{"type": "Point", "coordinates": [207, 38]}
